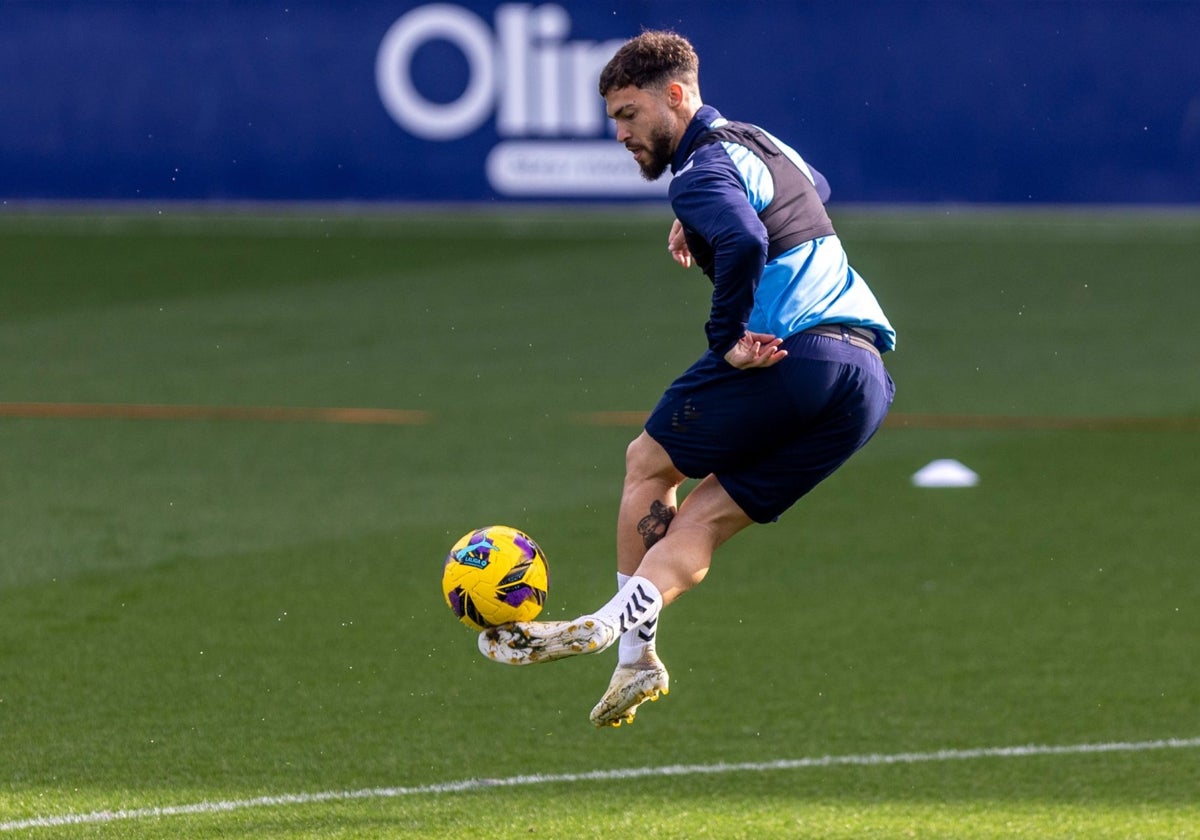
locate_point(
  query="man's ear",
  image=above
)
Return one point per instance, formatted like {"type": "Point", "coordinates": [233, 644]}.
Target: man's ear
{"type": "Point", "coordinates": [674, 94]}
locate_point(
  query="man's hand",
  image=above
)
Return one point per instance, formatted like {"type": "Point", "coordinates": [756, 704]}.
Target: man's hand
{"type": "Point", "coordinates": [756, 350]}
{"type": "Point", "coordinates": [677, 245]}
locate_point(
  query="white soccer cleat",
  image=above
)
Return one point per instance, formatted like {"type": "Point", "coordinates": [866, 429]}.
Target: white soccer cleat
{"type": "Point", "coordinates": [630, 687]}
{"type": "Point", "coordinates": [532, 642]}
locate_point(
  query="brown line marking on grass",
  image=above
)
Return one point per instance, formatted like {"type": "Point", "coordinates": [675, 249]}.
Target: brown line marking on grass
{"type": "Point", "coordinates": [987, 422]}
{"type": "Point", "coordinates": [409, 417]}
{"type": "Point", "coordinates": [1003, 422]}
{"type": "Point", "coordinates": [267, 414]}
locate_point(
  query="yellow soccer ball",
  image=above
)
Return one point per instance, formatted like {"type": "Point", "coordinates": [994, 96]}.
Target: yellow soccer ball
{"type": "Point", "coordinates": [495, 575]}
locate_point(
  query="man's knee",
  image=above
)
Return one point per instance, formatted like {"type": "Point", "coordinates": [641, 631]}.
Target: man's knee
{"type": "Point", "coordinates": [646, 460]}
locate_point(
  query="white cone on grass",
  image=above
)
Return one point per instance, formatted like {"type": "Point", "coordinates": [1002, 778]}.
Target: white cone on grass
{"type": "Point", "coordinates": [945, 472]}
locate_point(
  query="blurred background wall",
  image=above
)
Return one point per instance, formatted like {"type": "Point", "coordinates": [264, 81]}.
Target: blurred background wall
{"type": "Point", "coordinates": [941, 101]}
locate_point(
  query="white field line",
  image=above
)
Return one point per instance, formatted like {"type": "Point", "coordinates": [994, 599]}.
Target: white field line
{"type": "Point", "coordinates": [467, 785]}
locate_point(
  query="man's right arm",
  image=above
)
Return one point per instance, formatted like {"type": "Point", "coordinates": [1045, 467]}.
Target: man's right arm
{"type": "Point", "coordinates": [712, 203]}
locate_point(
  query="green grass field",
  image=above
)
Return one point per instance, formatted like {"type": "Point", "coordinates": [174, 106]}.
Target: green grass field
{"type": "Point", "coordinates": [231, 626]}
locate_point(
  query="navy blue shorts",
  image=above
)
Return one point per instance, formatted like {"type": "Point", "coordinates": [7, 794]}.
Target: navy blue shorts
{"type": "Point", "coordinates": [770, 435]}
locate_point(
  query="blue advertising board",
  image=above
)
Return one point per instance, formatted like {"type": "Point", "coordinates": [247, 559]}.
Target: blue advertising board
{"type": "Point", "coordinates": [937, 101]}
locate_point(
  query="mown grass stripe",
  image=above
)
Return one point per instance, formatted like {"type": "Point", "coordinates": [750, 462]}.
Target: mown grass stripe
{"type": "Point", "coordinates": [467, 785]}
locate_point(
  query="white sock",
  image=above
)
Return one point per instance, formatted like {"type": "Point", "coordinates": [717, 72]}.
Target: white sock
{"type": "Point", "coordinates": [636, 642]}
{"type": "Point", "coordinates": [634, 611]}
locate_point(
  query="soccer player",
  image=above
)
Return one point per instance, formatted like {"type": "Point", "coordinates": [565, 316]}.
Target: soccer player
{"type": "Point", "coordinates": [792, 383]}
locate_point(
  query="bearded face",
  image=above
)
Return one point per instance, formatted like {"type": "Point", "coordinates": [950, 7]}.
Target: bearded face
{"type": "Point", "coordinates": [646, 126]}
{"type": "Point", "coordinates": [654, 157]}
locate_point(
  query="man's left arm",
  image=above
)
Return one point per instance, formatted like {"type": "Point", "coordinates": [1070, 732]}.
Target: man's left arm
{"type": "Point", "coordinates": [821, 183]}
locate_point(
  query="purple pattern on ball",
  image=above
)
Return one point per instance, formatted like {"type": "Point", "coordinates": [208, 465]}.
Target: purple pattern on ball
{"type": "Point", "coordinates": [518, 596]}
{"type": "Point", "coordinates": [525, 544]}
{"type": "Point", "coordinates": [456, 602]}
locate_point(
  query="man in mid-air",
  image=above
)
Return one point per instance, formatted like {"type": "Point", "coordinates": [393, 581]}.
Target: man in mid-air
{"type": "Point", "coordinates": [792, 383]}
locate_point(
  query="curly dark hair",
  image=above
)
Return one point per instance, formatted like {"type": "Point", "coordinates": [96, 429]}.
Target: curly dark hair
{"type": "Point", "coordinates": [651, 60]}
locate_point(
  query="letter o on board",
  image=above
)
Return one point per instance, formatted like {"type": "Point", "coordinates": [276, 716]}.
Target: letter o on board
{"type": "Point", "coordinates": [393, 66]}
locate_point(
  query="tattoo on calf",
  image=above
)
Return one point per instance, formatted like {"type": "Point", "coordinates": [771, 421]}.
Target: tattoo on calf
{"type": "Point", "coordinates": [654, 526]}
